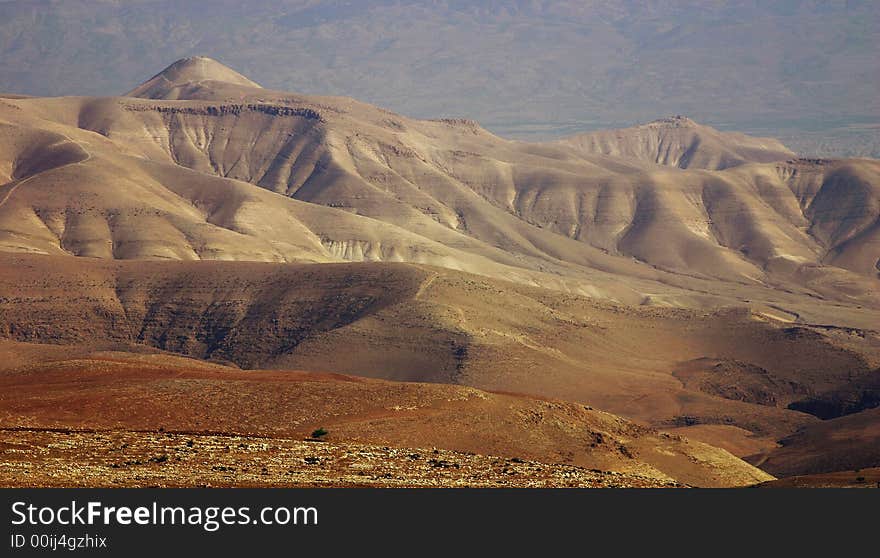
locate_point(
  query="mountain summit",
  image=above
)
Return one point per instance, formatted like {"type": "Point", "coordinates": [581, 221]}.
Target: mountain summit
{"type": "Point", "coordinates": [182, 78]}
{"type": "Point", "coordinates": [678, 141]}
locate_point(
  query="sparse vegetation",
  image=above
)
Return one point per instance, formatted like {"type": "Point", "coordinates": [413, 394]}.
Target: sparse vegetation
{"type": "Point", "coordinates": [319, 433]}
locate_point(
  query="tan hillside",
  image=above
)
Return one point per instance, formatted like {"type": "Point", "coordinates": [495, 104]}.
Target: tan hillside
{"type": "Point", "coordinates": [680, 142]}
{"type": "Point", "coordinates": [445, 193]}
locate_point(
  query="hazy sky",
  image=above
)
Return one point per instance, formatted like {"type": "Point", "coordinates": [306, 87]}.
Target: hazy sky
{"type": "Point", "coordinates": [524, 67]}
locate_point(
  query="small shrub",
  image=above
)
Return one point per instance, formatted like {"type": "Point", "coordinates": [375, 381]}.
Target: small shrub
{"type": "Point", "coordinates": [319, 433]}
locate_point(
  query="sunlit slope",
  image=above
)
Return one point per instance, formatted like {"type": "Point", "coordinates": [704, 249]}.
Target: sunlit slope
{"type": "Point", "coordinates": [182, 78]}
{"type": "Point", "coordinates": [680, 142]}
{"type": "Point", "coordinates": [297, 178]}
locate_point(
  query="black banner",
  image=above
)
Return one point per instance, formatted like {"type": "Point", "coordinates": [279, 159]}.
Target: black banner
{"type": "Point", "coordinates": [236, 522]}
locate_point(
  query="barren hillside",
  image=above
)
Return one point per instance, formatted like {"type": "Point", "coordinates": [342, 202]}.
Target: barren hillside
{"type": "Point", "coordinates": [680, 142]}
{"type": "Point", "coordinates": [724, 376]}
{"type": "Point", "coordinates": [115, 391]}
{"type": "Point", "coordinates": [360, 183]}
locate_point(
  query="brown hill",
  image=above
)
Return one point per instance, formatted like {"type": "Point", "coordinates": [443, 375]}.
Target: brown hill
{"type": "Point", "coordinates": [840, 444]}
{"type": "Point", "coordinates": [680, 142]}
{"type": "Point", "coordinates": [725, 377]}
{"type": "Point", "coordinates": [114, 391]}
{"type": "Point", "coordinates": [859, 478]}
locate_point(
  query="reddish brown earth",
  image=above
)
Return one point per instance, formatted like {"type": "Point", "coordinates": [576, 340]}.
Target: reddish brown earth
{"type": "Point", "coordinates": [840, 444]}
{"type": "Point", "coordinates": [859, 478]}
{"type": "Point", "coordinates": [722, 377]}
{"type": "Point", "coordinates": [115, 392]}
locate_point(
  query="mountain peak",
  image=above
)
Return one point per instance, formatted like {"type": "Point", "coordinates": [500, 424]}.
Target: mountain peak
{"type": "Point", "coordinates": [188, 73]}
{"type": "Point", "coordinates": [678, 141]}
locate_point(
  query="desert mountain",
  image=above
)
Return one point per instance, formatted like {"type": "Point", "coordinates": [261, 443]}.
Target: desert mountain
{"type": "Point", "coordinates": [680, 142]}
{"type": "Point", "coordinates": [205, 216]}
{"type": "Point", "coordinates": [245, 173]}
{"type": "Point", "coordinates": [186, 77]}
{"type": "Point", "coordinates": [805, 69]}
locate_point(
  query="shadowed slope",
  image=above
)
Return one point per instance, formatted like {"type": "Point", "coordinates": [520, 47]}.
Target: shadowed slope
{"type": "Point", "coordinates": [404, 322]}
{"type": "Point", "coordinates": [841, 444]}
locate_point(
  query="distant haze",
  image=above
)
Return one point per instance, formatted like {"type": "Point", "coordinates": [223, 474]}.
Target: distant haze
{"type": "Point", "coordinates": [807, 72]}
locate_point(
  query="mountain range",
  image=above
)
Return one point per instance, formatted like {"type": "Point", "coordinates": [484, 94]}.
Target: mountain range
{"type": "Point", "coordinates": [693, 282]}
{"type": "Point", "coordinates": [802, 70]}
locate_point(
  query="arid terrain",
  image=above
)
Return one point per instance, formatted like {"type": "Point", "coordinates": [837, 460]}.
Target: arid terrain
{"type": "Point", "coordinates": [197, 275]}
{"type": "Point", "coordinates": [112, 394]}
